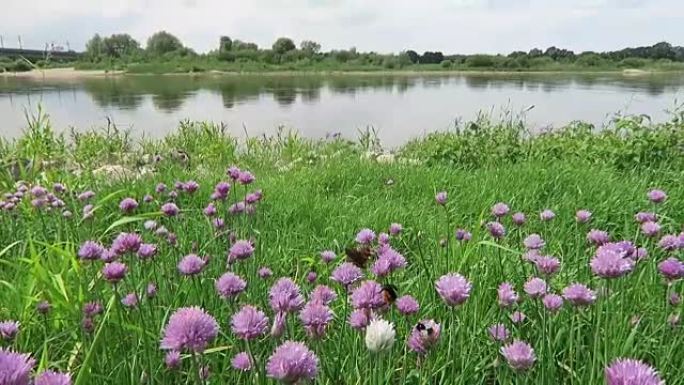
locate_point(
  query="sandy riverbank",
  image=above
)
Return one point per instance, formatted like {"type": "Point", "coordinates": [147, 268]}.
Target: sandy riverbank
{"type": "Point", "coordinates": [74, 74]}
{"type": "Point", "coordinates": [60, 74]}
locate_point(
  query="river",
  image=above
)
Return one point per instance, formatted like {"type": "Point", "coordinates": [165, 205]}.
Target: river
{"type": "Point", "coordinates": [398, 107]}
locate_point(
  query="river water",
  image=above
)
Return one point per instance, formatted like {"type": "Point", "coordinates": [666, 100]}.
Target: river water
{"type": "Point", "coordinates": [398, 107]}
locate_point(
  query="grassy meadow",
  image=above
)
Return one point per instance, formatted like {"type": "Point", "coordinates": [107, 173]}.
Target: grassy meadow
{"type": "Point", "coordinates": [317, 195]}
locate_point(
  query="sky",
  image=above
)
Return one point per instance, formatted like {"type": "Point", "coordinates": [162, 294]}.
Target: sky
{"type": "Point", "coordinates": [450, 26]}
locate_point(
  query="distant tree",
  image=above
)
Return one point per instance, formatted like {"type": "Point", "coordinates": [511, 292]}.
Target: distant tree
{"type": "Point", "coordinates": [535, 52]}
{"type": "Point", "coordinates": [225, 44]}
{"type": "Point", "coordinates": [480, 61]}
{"type": "Point", "coordinates": [120, 45]}
{"type": "Point", "coordinates": [413, 56]}
{"type": "Point", "coordinates": [95, 46]}
{"type": "Point", "coordinates": [432, 58]}
{"type": "Point", "coordinates": [163, 42]}
{"type": "Point", "coordinates": [239, 45]}
{"type": "Point", "coordinates": [516, 54]}
{"type": "Point", "coordinates": [309, 47]}
{"type": "Point", "coordinates": [283, 45]}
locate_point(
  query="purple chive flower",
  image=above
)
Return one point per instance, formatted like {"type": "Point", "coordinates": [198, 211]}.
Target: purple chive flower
{"type": "Point", "coordinates": [552, 302]}
{"type": "Point", "coordinates": [579, 295]}
{"type": "Point", "coordinates": [463, 235]}
{"type": "Point", "coordinates": [328, 256]}
{"type": "Point", "coordinates": [500, 210]}
{"type": "Point", "coordinates": [674, 299]}
{"type": "Point", "coordinates": [657, 196]}
{"type": "Point", "coordinates": [233, 172]}
{"type": "Point", "coordinates": [292, 362]}
{"type": "Point", "coordinates": [597, 237]}
{"type": "Point", "coordinates": [245, 178]}
{"type": "Point", "coordinates": [453, 288]}
{"type": "Point", "coordinates": [147, 251]}
{"type": "Point", "coordinates": [285, 296]}
{"type": "Point", "coordinates": [383, 238]}
{"type": "Point", "coordinates": [311, 276]}
{"type": "Point", "coordinates": [38, 191]}
{"type": "Point", "coordinates": [43, 307]}
{"type": "Point", "coordinates": [519, 355]}
{"type": "Point", "coordinates": [86, 195]}
{"type": "Point", "coordinates": [172, 360]}
{"type": "Point", "coordinates": [88, 211]}
{"type": "Point", "coordinates": [9, 330]}
{"type": "Point", "coordinates": [627, 371]}
{"type": "Point", "coordinates": [236, 208]}
{"type": "Point", "coordinates": [91, 309]}
{"type": "Point", "coordinates": [161, 232]}
{"type": "Point", "coordinates": [126, 243]}
{"type": "Point", "coordinates": [172, 239]}
{"type": "Point", "coordinates": [50, 377]}
{"type": "Point", "coordinates": [547, 215]}
{"type": "Point", "coordinates": [249, 323]}
{"type": "Point", "coordinates": [170, 209]}
{"type": "Point", "coordinates": [90, 251]}
{"type": "Point", "coordinates": [218, 223]}
{"type": "Point", "coordinates": [669, 243]}
{"type": "Point", "coordinates": [241, 250]}
{"type": "Point", "coordinates": [128, 205]}
{"type": "Point", "coordinates": [15, 368]}
{"type": "Point", "coordinates": [518, 317]}
{"type": "Point", "coordinates": [535, 287]}
{"type": "Point", "coordinates": [346, 274]}
{"type": "Point", "coordinates": [229, 285]}
{"type": "Point", "coordinates": [114, 271]}
{"type": "Point", "coordinates": [519, 219]}
{"type": "Point", "coordinates": [88, 325]}
{"type": "Point", "coordinates": [359, 319]}
{"type": "Point", "coordinates": [278, 327]}
{"type": "Point", "coordinates": [441, 198]}
{"type": "Point", "coordinates": [368, 295]}
{"type": "Point", "coordinates": [173, 195]}
{"type": "Point", "coordinates": [507, 295]}
{"type": "Point", "coordinates": [161, 187]}
{"type": "Point", "coordinates": [315, 317]}
{"type": "Point", "coordinates": [407, 305]}
{"type": "Point", "coordinates": [498, 332]}
{"type": "Point", "coordinates": [264, 272]}
{"type": "Point", "coordinates": [242, 362]}
{"type": "Point", "coordinates": [547, 265]}
{"type": "Point", "coordinates": [534, 242]}
{"type": "Point", "coordinates": [642, 217]}
{"type": "Point", "coordinates": [650, 229]}
{"type": "Point", "coordinates": [189, 328]}
{"type": "Point", "coordinates": [496, 230]}
{"type": "Point", "coordinates": [151, 290]}
{"type": "Point", "coordinates": [388, 261]}
{"type": "Point", "coordinates": [190, 186]}
{"type": "Point", "coordinates": [130, 300]}
{"type": "Point", "coordinates": [395, 229]}
{"type": "Point", "coordinates": [671, 268]}
{"type": "Point", "coordinates": [210, 210]}
{"type": "Point", "coordinates": [323, 294]}
{"type": "Point", "coordinates": [583, 216]}
{"type": "Point", "coordinates": [610, 263]}
{"type": "Point", "coordinates": [222, 189]}
{"type": "Point", "coordinates": [424, 337]}
{"type": "Point", "coordinates": [252, 198]}
{"type": "Point", "coordinates": [191, 264]}
{"type": "Point", "coordinates": [365, 237]}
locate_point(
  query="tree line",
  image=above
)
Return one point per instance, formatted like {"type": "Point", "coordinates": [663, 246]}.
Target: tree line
{"type": "Point", "coordinates": [284, 50]}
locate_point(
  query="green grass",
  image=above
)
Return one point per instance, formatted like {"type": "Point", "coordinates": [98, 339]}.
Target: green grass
{"type": "Point", "coordinates": [320, 202]}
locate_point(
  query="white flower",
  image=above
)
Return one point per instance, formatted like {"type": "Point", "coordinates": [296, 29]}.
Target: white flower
{"type": "Point", "coordinates": [379, 335]}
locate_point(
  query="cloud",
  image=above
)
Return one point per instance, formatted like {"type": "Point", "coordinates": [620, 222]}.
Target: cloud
{"type": "Point", "coordinates": [464, 26]}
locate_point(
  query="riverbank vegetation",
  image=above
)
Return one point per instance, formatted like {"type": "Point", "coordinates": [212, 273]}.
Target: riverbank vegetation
{"type": "Point", "coordinates": [165, 53]}
{"type": "Point", "coordinates": [200, 272]}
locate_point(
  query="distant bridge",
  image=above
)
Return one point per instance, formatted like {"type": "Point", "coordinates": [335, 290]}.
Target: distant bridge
{"type": "Point", "coordinates": [37, 54]}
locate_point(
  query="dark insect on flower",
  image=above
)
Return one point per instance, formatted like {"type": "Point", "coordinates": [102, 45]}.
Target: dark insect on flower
{"type": "Point", "coordinates": [359, 256]}
{"type": "Point", "coordinates": [389, 293]}
{"type": "Point", "coordinates": [421, 327]}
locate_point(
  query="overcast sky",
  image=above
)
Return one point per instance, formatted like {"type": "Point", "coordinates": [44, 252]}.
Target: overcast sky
{"type": "Point", "coordinates": [451, 26]}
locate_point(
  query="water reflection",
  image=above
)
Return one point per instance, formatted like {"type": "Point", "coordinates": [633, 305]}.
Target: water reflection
{"type": "Point", "coordinates": [325, 101]}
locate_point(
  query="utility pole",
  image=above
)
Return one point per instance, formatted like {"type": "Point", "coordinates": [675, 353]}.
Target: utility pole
{"type": "Point", "coordinates": [68, 46]}
{"type": "Point", "coordinates": [19, 38]}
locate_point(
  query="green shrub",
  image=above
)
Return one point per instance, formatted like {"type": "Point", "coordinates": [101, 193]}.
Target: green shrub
{"type": "Point", "coordinates": [480, 61]}
{"type": "Point", "coordinates": [446, 63]}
